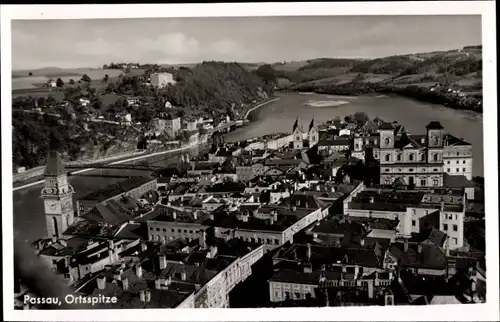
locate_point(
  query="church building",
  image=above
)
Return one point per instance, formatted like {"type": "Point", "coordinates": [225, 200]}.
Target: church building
{"type": "Point", "coordinates": [303, 139]}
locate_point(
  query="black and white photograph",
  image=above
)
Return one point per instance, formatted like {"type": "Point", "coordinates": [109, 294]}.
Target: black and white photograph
{"type": "Point", "coordinates": [336, 162]}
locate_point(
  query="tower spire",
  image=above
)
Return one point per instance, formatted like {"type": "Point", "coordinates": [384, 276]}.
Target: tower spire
{"type": "Point", "coordinates": [296, 124]}
{"type": "Point", "coordinates": [55, 166]}
{"type": "Point", "coordinates": [311, 125]}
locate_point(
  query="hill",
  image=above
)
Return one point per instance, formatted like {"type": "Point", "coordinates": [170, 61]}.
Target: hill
{"type": "Point", "coordinates": [209, 88]}
{"type": "Point", "coordinates": [454, 77]}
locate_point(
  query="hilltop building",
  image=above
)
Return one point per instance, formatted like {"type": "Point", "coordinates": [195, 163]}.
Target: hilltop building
{"type": "Point", "coordinates": [161, 80]}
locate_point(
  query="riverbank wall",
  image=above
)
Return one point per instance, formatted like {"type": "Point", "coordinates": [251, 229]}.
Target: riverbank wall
{"type": "Point", "coordinates": [259, 106]}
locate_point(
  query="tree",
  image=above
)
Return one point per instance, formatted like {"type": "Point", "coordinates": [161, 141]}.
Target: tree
{"type": "Point", "coordinates": [59, 82]}
{"type": "Point", "coordinates": [360, 118]}
{"type": "Point", "coordinates": [86, 78]}
{"type": "Point", "coordinates": [72, 82]}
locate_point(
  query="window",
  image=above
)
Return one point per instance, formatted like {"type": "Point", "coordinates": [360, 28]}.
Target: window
{"type": "Point", "coordinates": [276, 242]}
{"type": "Point", "coordinates": [386, 170]}
{"type": "Point", "coordinates": [435, 156]}
{"type": "Point", "coordinates": [422, 157]}
{"type": "Point", "coordinates": [398, 157]}
{"type": "Point", "coordinates": [150, 228]}
{"type": "Point", "coordinates": [173, 230]}
{"type": "Point", "coordinates": [423, 182]}
{"type": "Point", "coordinates": [435, 182]}
{"type": "Point", "coordinates": [411, 170]}
{"type": "Point", "coordinates": [448, 169]}
{"type": "Point", "coordinates": [445, 227]}
{"type": "Point", "coordinates": [458, 153]}
{"type": "Point", "coordinates": [455, 241]}
{"type": "Point", "coordinates": [463, 169]}
{"type": "Point", "coordinates": [179, 230]}
{"type": "Point", "coordinates": [410, 157]}
{"type": "Point", "coordinates": [157, 229]}
{"type": "Point", "coordinates": [458, 169]}
{"type": "Point", "coordinates": [414, 212]}
{"type": "Point", "coordinates": [387, 157]}
{"type": "Point", "coordinates": [313, 138]}
{"type": "Point", "coordinates": [190, 231]}
{"type": "Point", "coordinates": [436, 140]}
{"type": "Point", "coordinates": [151, 237]}
{"type": "Point", "coordinates": [455, 228]}
{"type": "Point", "coordinates": [164, 229]}
{"type": "Point", "coordinates": [185, 231]}
{"type": "Point", "coordinates": [298, 138]}
{"type": "Point", "coordinates": [413, 223]}
{"type": "Point", "coordinates": [387, 141]}
{"type": "Point", "coordinates": [463, 162]}
{"type": "Point", "coordinates": [458, 162]}
{"type": "Point", "coordinates": [448, 162]}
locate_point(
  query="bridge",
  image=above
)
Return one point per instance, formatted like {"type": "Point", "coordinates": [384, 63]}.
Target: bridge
{"type": "Point", "coordinates": [224, 127]}
{"type": "Point", "coordinates": [143, 167]}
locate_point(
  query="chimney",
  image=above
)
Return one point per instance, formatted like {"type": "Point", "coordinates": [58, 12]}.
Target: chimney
{"type": "Point", "coordinates": [372, 199]}
{"type": "Point", "coordinates": [213, 251]}
{"type": "Point", "coordinates": [138, 270]}
{"type": "Point", "coordinates": [422, 140]}
{"type": "Point", "coordinates": [271, 220]}
{"type": "Point", "coordinates": [54, 239]}
{"type": "Point", "coordinates": [63, 242]}
{"type": "Point", "coordinates": [163, 262]}
{"type": "Point", "coordinates": [370, 289]}
{"type": "Point", "coordinates": [111, 244]}
{"type": "Point", "coordinates": [405, 245]}
{"type": "Point", "coordinates": [157, 284]}
{"type": "Point", "coordinates": [168, 281]}
{"type": "Point", "coordinates": [212, 217]}
{"type": "Point", "coordinates": [195, 215]}
{"type": "Point", "coordinates": [309, 252]}
{"type": "Point", "coordinates": [183, 275]}
{"type": "Point", "coordinates": [174, 215]}
{"type": "Point", "coordinates": [203, 240]}
{"type": "Point", "coordinates": [294, 208]}
{"type": "Point", "coordinates": [442, 205]}
{"type": "Point", "coordinates": [362, 242]}
{"type": "Point", "coordinates": [110, 255]}
{"type": "Point", "coordinates": [307, 268]}
{"type": "Point", "coordinates": [318, 188]}
{"type": "Point", "coordinates": [419, 248]}
{"type": "Point", "coordinates": [144, 246]}
{"type": "Point", "coordinates": [101, 282]}
{"type": "Point", "coordinates": [125, 284]}
{"type": "Point", "coordinates": [142, 295]}
{"type": "Point", "coordinates": [147, 296]}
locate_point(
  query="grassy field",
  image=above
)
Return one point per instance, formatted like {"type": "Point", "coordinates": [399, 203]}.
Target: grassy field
{"type": "Point", "coordinates": [21, 79]}
{"type": "Point", "coordinates": [460, 67]}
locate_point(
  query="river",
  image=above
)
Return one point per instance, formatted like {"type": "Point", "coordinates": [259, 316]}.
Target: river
{"type": "Point", "coordinates": [278, 116]}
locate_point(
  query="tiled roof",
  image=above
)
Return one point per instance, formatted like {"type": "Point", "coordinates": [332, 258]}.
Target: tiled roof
{"type": "Point", "coordinates": [431, 256]}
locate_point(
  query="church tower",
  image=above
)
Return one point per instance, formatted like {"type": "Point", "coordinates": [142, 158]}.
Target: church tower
{"type": "Point", "coordinates": [313, 135]}
{"type": "Point", "coordinates": [298, 136]}
{"type": "Point", "coordinates": [57, 197]}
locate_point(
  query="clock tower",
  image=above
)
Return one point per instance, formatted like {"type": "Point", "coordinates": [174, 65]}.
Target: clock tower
{"type": "Point", "coordinates": [57, 197]}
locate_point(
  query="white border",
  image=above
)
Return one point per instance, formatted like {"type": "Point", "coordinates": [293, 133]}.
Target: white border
{"type": "Point", "coordinates": [479, 312]}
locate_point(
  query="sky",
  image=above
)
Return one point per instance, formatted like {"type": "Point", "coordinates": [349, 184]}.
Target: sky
{"type": "Point", "coordinates": [94, 42]}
